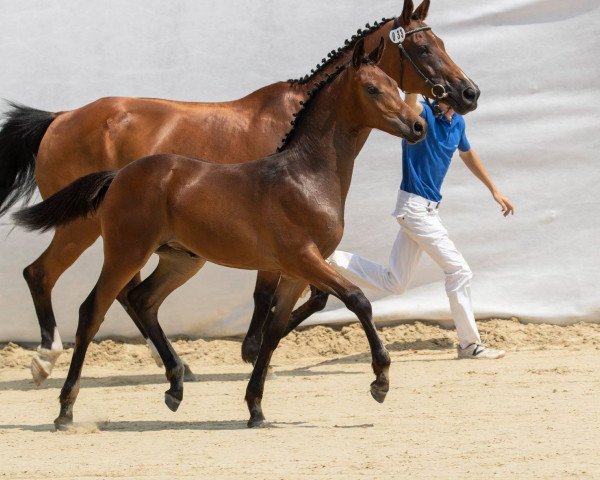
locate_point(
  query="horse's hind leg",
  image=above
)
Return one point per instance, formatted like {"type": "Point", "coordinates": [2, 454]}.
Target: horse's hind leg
{"type": "Point", "coordinates": [264, 301]}
{"type": "Point", "coordinates": [68, 244]}
{"type": "Point", "coordinates": [286, 296]}
{"type": "Point", "coordinates": [174, 269]}
{"type": "Point", "coordinates": [117, 271]}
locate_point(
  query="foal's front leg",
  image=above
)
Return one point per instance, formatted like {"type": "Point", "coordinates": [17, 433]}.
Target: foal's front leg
{"type": "Point", "coordinates": [315, 270]}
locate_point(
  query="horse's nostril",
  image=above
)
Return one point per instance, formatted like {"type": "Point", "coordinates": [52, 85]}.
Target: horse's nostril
{"type": "Point", "coordinates": [470, 94]}
{"type": "Point", "coordinates": [418, 128]}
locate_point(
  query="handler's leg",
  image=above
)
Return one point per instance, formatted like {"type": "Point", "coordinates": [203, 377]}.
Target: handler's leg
{"type": "Point", "coordinates": [427, 230]}
{"type": "Point", "coordinates": [393, 278]}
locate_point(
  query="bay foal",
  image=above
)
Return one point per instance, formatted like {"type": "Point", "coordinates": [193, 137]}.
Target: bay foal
{"type": "Point", "coordinates": [54, 149]}
{"type": "Point", "coordinates": [281, 214]}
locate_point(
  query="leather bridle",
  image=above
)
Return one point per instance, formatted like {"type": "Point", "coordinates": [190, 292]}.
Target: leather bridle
{"type": "Point", "coordinates": [397, 36]}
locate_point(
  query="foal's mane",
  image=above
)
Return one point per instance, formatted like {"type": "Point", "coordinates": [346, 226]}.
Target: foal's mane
{"type": "Point", "coordinates": [332, 56]}
{"type": "Point", "coordinates": [305, 105]}
{"type": "Point", "coordinates": [335, 54]}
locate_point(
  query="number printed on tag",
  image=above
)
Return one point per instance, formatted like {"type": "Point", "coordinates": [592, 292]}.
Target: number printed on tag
{"type": "Point", "coordinates": [397, 35]}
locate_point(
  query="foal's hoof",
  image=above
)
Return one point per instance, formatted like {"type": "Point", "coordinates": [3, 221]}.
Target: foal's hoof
{"type": "Point", "coordinates": [188, 375]}
{"type": "Point", "coordinates": [378, 393]}
{"type": "Point", "coordinates": [257, 422]}
{"type": "Point", "coordinates": [172, 402]}
{"type": "Point", "coordinates": [42, 364]}
{"type": "Point", "coordinates": [62, 424]}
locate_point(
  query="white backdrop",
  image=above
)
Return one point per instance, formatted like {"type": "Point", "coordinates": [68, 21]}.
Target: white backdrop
{"type": "Point", "coordinates": [536, 128]}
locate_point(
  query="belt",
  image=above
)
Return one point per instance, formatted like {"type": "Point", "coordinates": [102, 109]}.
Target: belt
{"type": "Point", "coordinates": [418, 199]}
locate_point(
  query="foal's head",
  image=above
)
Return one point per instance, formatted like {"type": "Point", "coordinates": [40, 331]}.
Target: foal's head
{"type": "Point", "coordinates": [375, 100]}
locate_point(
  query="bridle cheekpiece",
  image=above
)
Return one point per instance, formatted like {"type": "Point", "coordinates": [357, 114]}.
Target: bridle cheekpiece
{"type": "Point", "coordinates": [397, 36]}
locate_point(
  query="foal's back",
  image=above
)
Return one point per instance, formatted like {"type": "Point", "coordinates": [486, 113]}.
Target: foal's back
{"type": "Point", "coordinates": [216, 211]}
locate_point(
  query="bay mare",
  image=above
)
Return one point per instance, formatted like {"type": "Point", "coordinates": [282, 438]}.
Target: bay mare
{"type": "Point", "coordinates": [51, 150]}
{"type": "Point", "coordinates": [289, 216]}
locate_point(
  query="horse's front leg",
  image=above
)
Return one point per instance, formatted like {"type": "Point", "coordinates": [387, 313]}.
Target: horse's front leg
{"type": "Point", "coordinates": [316, 303]}
{"type": "Point", "coordinates": [264, 302]}
{"type": "Point", "coordinates": [287, 294]}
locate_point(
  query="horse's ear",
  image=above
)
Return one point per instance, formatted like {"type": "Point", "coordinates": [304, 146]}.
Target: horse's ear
{"type": "Point", "coordinates": [359, 53]}
{"type": "Point", "coordinates": [421, 12]}
{"type": "Point", "coordinates": [407, 12]}
{"type": "Point", "coordinates": [376, 54]}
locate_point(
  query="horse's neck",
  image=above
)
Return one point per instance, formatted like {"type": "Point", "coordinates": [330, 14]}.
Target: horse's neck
{"type": "Point", "coordinates": [281, 99]}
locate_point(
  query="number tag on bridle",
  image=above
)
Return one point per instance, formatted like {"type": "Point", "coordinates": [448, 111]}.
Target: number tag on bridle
{"type": "Point", "coordinates": [397, 35]}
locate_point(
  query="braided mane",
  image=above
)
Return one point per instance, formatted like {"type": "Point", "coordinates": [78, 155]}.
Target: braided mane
{"type": "Point", "coordinates": [335, 54]}
{"type": "Point", "coordinates": [332, 56]}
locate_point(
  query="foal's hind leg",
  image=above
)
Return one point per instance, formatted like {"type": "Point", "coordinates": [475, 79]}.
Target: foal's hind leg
{"type": "Point", "coordinates": [173, 270]}
{"type": "Point", "coordinates": [126, 304]}
{"type": "Point", "coordinates": [264, 301]}
{"type": "Point", "coordinates": [116, 273]}
{"type": "Point", "coordinates": [286, 296]}
{"type": "Point", "coordinates": [68, 244]}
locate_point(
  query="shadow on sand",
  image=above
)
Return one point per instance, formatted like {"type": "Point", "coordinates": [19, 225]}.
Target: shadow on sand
{"type": "Point", "coordinates": [155, 426]}
{"type": "Point", "coordinates": [158, 379]}
{"type": "Point", "coordinates": [432, 344]}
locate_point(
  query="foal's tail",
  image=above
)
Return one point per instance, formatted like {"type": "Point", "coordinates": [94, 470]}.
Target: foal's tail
{"type": "Point", "coordinates": [77, 200]}
{"type": "Point", "coordinates": [20, 138]}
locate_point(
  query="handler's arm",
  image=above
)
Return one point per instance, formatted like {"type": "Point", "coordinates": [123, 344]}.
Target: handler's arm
{"type": "Point", "coordinates": [474, 163]}
{"type": "Point", "coordinates": [412, 101]}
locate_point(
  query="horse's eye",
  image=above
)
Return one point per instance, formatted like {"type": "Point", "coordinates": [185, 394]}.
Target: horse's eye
{"type": "Point", "coordinates": [423, 50]}
{"type": "Point", "coordinates": [372, 90]}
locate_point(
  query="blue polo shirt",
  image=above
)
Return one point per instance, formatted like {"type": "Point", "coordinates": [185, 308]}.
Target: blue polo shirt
{"type": "Point", "coordinates": [425, 164]}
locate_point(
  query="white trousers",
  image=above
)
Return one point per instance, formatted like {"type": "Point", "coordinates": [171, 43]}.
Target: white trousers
{"type": "Point", "coordinates": [421, 230]}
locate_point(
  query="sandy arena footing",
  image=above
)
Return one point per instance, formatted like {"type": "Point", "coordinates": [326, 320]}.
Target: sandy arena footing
{"type": "Point", "coordinates": [533, 414]}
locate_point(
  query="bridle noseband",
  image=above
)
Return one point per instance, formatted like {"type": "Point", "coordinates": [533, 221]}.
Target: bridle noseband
{"type": "Point", "coordinates": [397, 36]}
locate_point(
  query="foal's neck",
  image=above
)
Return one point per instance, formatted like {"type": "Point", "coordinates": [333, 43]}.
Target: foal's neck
{"type": "Point", "coordinates": [327, 141]}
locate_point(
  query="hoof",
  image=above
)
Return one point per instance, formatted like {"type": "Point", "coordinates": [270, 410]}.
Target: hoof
{"type": "Point", "coordinates": [257, 422]}
{"type": "Point", "coordinates": [172, 402]}
{"type": "Point", "coordinates": [42, 364]}
{"type": "Point", "coordinates": [378, 393]}
{"type": "Point", "coordinates": [62, 424]}
{"type": "Point", "coordinates": [188, 375]}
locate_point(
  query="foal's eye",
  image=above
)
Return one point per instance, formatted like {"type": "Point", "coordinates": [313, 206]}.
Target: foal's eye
{"type": "Point", "coordinates": [372, 90]}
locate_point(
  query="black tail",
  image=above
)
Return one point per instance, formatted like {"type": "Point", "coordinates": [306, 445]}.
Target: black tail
{"type": "Point", "coordinates": [20, 138]}
{"type": "Point", "coordinates": [76, 200]}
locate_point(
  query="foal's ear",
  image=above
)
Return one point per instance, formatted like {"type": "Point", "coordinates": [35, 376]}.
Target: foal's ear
{"type": "Point", "coordinates": [359, 53]}
{"type": "Point", "coordinates": [421, 12]}
{"type": "Point", "coordinates": [407, 12]}
{"type": "Point", "coordinates": [376, 54]}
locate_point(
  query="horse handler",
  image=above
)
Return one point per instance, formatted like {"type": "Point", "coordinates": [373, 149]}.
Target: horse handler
{"type": "Point", "coordinates": [424, 166]}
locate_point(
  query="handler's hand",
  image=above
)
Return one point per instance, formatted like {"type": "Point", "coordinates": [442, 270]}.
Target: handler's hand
{"type": "Point", "coordinates": [507, 207]}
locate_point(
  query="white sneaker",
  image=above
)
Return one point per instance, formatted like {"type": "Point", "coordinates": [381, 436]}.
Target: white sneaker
{"type": "Point", "coordinates": [478, 350]}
